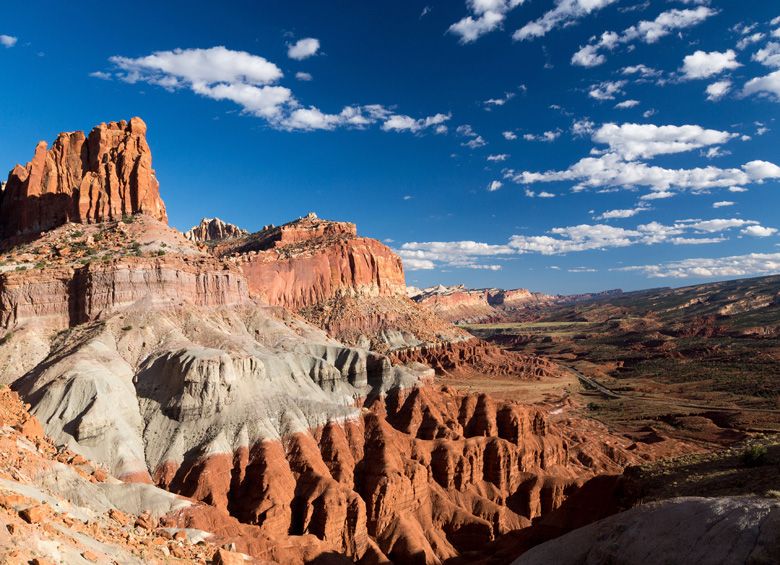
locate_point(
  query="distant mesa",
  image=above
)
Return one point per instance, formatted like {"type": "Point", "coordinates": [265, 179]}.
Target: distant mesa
{"type": "Point", "coordinates": [82, 179]}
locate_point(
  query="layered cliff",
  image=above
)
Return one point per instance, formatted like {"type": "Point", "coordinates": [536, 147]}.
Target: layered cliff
{"type": "Point", "coordinates": [94, 178]}
{"type": "Point", "coordinates": [351, 286]}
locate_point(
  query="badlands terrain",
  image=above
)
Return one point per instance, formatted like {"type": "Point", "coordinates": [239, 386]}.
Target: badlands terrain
{"type": "Point", "coordinates": [281, 396]}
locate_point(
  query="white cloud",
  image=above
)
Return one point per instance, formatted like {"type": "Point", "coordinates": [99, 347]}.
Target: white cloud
{"type": "Point", "coordinates": [300, 75]}
{"type": "Point", "coordinates": [509, 135]}
{"type": "Point", "coordinates": [627, 104]}
{"type": "Point", "coordinates": [564, 14]}
{"type": "Point", "coordinates": [457, 254]}
{"type": "Point", "coordinates": [571, 239]}
{"type": "Point", "coordinates": [493, 102]}
{"type": "Point", "coordinates": [768, 56]}
{"type": "Point", "coordinates": [303, 48]}
{"type": "Point", "coordinates": [632, 141]}
{"type": "Point", "coordinates": [768, 85]}
{"type": "Point", "coordinates": [606, 90]}
{"type": "Point", "coordinates": [714, 152]}
{"type": "Point", "coordinates": [582, 127]}
{"type": "Point", "coordinates": [621, 214]}
{"type": "Point", "coordinates": [749, 40]}
{"type": "Point", "coordinates": [723, 204]}
{"type": "Point", "coordinates": [251, 82]}
{"type": "Point", "coordinates": [487, 15]}
{"type": "Point", "coordinates": [398, 122]}
{"type": "Point", "coordinates": [718, 90]}
{"type": "Point", "coordinates": [759, 231]}
{"type": "Point", "coordinates": [542, 194]}
{"type": "Point", "coordinates": [199, 66]}
{"type": "Point", "coordinates": [704, 65]}
{"type": "Point", "coordinates": [547, 136]}
{"type": "Point", "coordinates": [7, 40]}
{"type": "Point", "coordinates": [611, 171]}
{"type": "Point", "coordinates": [642, 70]}
{"type": "Point", "coordinates": [495, 185]}
{"type": "Point", "coordinates": [498, 157]}
{"type": "Point", "coordinates": [647, 31]}
{"type": "Point", "coordinates": [734, 266]}
{"type": "Point", "coordinates": [474, 140]}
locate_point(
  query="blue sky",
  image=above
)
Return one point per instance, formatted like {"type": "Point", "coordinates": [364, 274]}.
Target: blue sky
{"type": "Point", "coordinates": [564, 146]}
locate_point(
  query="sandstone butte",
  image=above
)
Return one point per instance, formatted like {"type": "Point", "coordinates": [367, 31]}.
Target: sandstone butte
{"type": "Point", "coordinates": [93, 178]}
{"type": "Point", "coordinates": [282, 381]}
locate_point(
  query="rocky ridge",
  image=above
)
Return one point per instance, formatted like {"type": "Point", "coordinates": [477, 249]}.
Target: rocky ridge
{"type": "Point", "coordinates": [95, 178]}
{"type": "Point", "coordinates": [458, 304]}
{"type": "Point", "coordinates": [213, 229]}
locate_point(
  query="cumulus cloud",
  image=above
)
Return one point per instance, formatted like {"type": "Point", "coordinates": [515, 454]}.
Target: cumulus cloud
{"type": "Point", "coordinates": [606, 90]}
{"type": "Point", "coordinates": [723, 204]}
{"type": "Point", "coordinates": [627, 104]}
{"type": "Point", "coordinates": [621, 213]}
{"type": "Point", "coordinates": [474, 140]}
{"type": "Point", "coordinates": [702, 64]}
{"type": "Point", "coordinates": [646, 31]}
{"type": "Point", "coordinates": [495, 185]}
{"type": "Point", "coordinates": [7, 41]}
{"type": "Point", "coordinates": [456, 254]}
{"type": "Point", "coordinates": [718, 90]}
{"type": "Point", "coordinates": [612, 171]}
{"type": "Point", "coordinates": [759, 231]}
{"type": "Point", "coordinates": [768, 85]}
{"type": "Point", "coordinates": [487, 15]}
{"type": "Point", "coordinates": [734, 266]}
{"type": "Point", "coordinates": [547, 136]}
{"type": "Point", "coordinates": [303, 48]}
{"type": "Point", "coordinates": [632, 141]}
{"type": "Point", "coordinates": [564, 13]}
{"type": "Point", "coordinates": [768, 56]}
{"type": "Point", "coordinates": [509, 135]}
{"type": "Point", "coordinates": [251, 81]}
{"type": "Point", "coordinates": [749, 40]}
{"type": "Point", "coordinates": [494, 102]}
{"type": "Point", "coordinates": [306, 77]}
{"type": "Point", "coordinates": [397, 122]}
{"type": "Point", "coordinates": [571, 239]}
{"type": "Point", "coordinates": [498, 157]}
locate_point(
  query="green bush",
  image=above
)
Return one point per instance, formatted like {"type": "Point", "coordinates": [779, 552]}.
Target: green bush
{"type": "Point", "coordinates": [754, 456]}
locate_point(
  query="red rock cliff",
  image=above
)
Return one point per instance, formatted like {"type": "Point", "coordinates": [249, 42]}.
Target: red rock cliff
{"type": "Point", "coordinates": [308, 261]}
{"type": "Point", "coordinates": [83, 179]}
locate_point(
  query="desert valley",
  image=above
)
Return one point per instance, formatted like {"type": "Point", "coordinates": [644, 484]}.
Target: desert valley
{"type": "Point", "coordinates": [220, 396]}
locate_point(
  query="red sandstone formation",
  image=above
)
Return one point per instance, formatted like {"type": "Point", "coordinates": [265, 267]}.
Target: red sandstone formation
{"type": "Point", "coordinates": [423, 476]}
{"type": "Point", "coordinates": [82, 179]}
{"type": "Point", "coordinates": [310, 260]}
{"type": "Point", "coordinates": [212, 230]}
{"type": "Point", "coordinates": [476, 356]}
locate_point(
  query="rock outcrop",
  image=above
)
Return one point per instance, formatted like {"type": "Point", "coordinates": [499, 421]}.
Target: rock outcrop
{"type": "Point", "coordinates": [684, 530]}
{"type": "Point", "coordinates": [212, 230]}
{"type": "Point", "coordinates": [86, 179]}
{"type": "Point", "coordinates": [351, 286]}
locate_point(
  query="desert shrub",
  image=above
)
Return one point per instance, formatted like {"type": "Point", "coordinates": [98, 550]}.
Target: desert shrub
{"type": "Point", "coordinates": [128, 218]}
{"type": "Point", "coordinates": [754, 456]}
{"type": "Point", "coordinates": [592, 406]}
